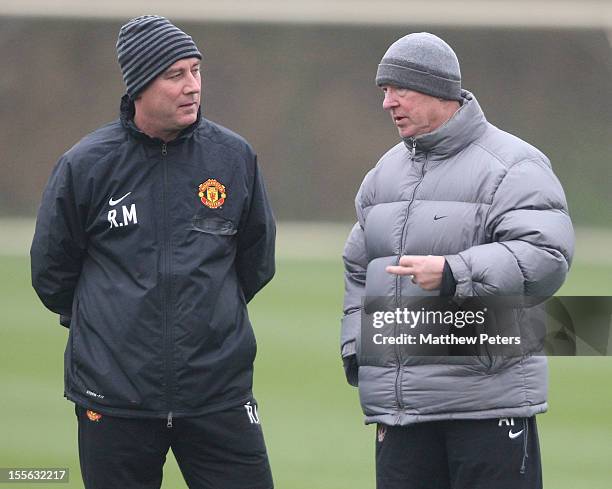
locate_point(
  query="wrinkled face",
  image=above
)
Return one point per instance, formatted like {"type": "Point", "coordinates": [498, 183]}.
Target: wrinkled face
{"type": "Point", "coordinates": [171, 101]}
{"type": "Point", "coordinates": [413, 113]}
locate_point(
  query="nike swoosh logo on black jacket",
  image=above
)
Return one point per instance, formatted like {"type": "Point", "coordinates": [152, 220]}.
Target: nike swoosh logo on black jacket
{"type": "Point", "coordinates": [159, 322]}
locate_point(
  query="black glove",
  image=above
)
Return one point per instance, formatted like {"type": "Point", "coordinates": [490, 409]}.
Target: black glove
{"type": "Point", "coordinates": [351, 369]}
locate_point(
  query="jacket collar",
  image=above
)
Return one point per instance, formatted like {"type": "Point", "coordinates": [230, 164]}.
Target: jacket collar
{"type": "Point", "coordinates": [126, 114]}
{"type": "Point", "coordinates": [464, 127]}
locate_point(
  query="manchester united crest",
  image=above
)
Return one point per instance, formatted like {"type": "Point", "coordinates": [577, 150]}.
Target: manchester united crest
{"type": "Point", "coordinates": [93, 416]}
{"type": "Point", "coordinates": [382, 431]}
{"type": "Point", "coordinates": [212, 193]}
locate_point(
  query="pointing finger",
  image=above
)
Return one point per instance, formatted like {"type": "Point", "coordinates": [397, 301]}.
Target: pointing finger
{"type": "Point", "coordinates": [399, 270]}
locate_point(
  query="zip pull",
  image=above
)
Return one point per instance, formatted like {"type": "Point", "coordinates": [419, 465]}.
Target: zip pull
{"type": "Point", "coordinates": [164, 153]}
{"type": "Point", "coordinates": [413, 148]}
{"type": "Point", "coordinates": [169, 422]}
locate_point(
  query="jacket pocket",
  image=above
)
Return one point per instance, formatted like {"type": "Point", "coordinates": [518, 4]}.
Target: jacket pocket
{"type": "Point", "coordinates": [70, 354]}
{"type": "Point", "coordinates": [213, 225]}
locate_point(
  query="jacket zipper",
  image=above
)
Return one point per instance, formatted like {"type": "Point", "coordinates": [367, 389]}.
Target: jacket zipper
{"type": "Point", "coordinates": [398, 373]}
{"type": "Point", "coordinates": [397, 279]}
{"type": "Point", "coordinates": [166, 276]}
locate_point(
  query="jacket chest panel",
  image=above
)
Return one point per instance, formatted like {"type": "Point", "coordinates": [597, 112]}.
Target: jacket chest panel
{"type": "Point", "coordinates": [207, 198]}
{"type": "Point", "coordinates": [442, 227]}
{"type": "Point", "coordinates": [460, 180]}
{"type": "Point", "coordinates": [436, 208]}
{"type": "Point", "coordinates": [423, 227]}
{"type": "Point", "coordinates": [136, 203]}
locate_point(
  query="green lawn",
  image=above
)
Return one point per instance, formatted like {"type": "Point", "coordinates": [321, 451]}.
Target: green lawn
{"type": "Point", "coordinates": [311, 417]}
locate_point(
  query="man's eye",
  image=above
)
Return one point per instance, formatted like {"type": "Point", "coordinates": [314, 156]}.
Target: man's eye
{"type": "Point", "coordinates": [401, 92]}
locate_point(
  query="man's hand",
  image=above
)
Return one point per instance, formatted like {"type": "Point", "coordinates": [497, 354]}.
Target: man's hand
{"type": "Point", "coordinates": [425, 271]}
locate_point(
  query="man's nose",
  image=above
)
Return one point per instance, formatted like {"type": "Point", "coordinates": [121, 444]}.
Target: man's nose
{"type": "Point", "coordinates": [193, 83]}
{"type": "Point", "coordinates": [389, 102]}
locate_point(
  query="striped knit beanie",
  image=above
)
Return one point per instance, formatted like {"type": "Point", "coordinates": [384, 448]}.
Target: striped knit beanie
{"type": "Point", "coordinates": [146, 46]}
{"type": "Point", "coordinates": [424, 63]}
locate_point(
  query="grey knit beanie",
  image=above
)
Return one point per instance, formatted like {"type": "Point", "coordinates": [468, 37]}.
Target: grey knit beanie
{"type": "Point", "coordinates": [146, 46]}
{"type": "Point", "coordinates": [424, 63]}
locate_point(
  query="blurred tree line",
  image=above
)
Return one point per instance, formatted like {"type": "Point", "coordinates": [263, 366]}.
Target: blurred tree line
{"type": "Point", "coordinates": [304, 96]}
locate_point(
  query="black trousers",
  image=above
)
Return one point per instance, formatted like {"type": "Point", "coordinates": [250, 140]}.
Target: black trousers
{"type": "Point", "coordinates": [219, 450]}
{"type": "Point", "coordinates": [482, 454]}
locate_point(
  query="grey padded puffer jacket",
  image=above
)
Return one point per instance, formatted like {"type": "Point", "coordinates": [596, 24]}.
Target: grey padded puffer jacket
{"type": "Point", "coordinates": [507, 232]}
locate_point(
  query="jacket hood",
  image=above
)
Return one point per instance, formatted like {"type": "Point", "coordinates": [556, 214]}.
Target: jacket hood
{"type": "Point", "coordinates": [126, 114]}
{"type": "Point", "coordinates": [465, 126]}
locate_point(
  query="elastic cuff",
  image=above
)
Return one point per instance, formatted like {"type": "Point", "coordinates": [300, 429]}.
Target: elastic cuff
{"type": "Point", "coordinates": [348, 349]}
{"type": "Point", "coordinates": [351, 370]}
{"type": "Point", "coordinates": [461, 274]}
{"type": "Point", "coordinates": [449, 285]}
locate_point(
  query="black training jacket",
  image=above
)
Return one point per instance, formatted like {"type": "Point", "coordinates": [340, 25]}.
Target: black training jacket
{"type": "Point", "coordinates": [152, 252]}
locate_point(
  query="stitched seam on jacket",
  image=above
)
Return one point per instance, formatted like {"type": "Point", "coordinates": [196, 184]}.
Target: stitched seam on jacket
{"type": "Point", "coordinates": [509, 165]}
{"type": "Point", "coordinates": [501, 180]}
{"type": "Point", "coordinates": [83, 158]}
{"type": "Point", "coordinates": [548, 248]}
{"type": "Point", "coordinates": [468, 274]}
{"type": "Point", "coordinates": [524, 384]}
{"type": "Point", "coordinates": [500, 160]}
{"type": "Point", "coordinates": [218, 132]}
{"type": "Point", "coordinates": [353, 311]}
{"type": "Point", "coordinates": [450, 413]}
{"type": "Point", "coordinates": [509, 168]}
{"type": "Point", "coordinates": [427, 200]}
{"type": "Point", "coordinates": [518, 263]}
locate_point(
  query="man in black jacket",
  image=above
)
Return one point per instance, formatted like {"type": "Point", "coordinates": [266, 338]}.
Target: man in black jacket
{"type": "Point", "coordinates": [153, 234]}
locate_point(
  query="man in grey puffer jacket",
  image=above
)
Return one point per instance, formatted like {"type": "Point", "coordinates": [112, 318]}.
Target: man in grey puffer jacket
{"type": "Point", "coordinates": [458, 208]}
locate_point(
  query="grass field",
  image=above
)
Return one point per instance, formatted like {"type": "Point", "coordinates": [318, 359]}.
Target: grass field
{"type": "Point", "coordinates": [311, 417]}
